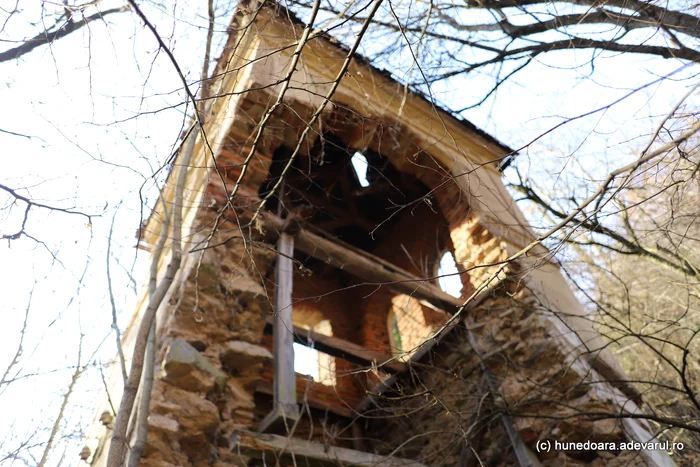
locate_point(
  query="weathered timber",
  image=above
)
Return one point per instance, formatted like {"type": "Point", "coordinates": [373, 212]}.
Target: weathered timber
{"type": "Point", "coordinates": [307, 453]}
{"type": "Point", "coordinates": [477, 423]}
{"type": "Point", "coordinates": [608, 373]}
{"type": "Point", "coordinates": [340, 348]}
{"type": "Point", "coordinates": [366, 266]}
{"type": "Point", "coordinates": [285, 410]}
{"type": "Point", "coordinates": [310, 400]}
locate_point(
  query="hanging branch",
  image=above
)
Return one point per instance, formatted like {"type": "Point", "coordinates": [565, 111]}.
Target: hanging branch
{"type": "Point", "coordinates": [29, 205]}
{"type": "Point", "coordinates": [119, 444]}
{"type": "Point", "coordinates": [79, 368]}
{"type": "Point", "coordinates": [5, 379]}
{"type": "Point", "coordinates": [115, 325]}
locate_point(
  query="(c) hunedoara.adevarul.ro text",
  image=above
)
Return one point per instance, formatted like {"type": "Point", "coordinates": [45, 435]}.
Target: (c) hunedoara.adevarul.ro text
{"type": "Point", "coordinates": [549, 445]}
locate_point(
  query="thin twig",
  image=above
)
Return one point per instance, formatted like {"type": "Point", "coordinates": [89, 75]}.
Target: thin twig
{"type": "Point", "coordinates": [115, 325]}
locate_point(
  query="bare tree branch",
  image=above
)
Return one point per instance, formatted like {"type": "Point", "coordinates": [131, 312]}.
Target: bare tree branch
{"type": "Point", "coordinates": [48, 37]}
{"type": "Point", "coordinates": [29, 204]}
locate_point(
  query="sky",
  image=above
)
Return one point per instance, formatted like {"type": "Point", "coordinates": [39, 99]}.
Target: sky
{"type": "Point", "coordinates": [103, 111]}
{"type": "Point", "coordinates": [67, 97]}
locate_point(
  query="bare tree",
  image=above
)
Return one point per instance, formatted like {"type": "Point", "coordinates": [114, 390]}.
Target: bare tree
{"type": "Point", "coordinates": [610, 224]}
{"type": "Point", "coordinates": [500, 38]}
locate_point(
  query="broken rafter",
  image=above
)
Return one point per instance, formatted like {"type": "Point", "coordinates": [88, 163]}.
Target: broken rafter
{"type": "Point", "coordinates": [300, 452]}
{"type": "Point", "coordinates": [523, 455]}
{"type": "Point", "coordinates": [427, 346]}
{"type": "Point", "coordinates": [366, 266]}
{"type": "Point", "coordinates": [387, 384]}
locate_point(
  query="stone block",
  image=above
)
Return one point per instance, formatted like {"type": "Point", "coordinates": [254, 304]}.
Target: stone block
{"type": "Point", "coordinates": [156, 461]}
{"type": "Point", "coordinates": [186, 368]}
{"type": "Point", "coordinates": [163, 407]}
{"type": "Point", "coordinates": [197, 417]}
{"type": "Point", "coordinates": [207, 278]}
{"type": "Point", "coordinates": [162, 451]}
{"type": "Point", "coordinates": [161, 423]}
{"type": "Point", "coordinates": [244, 358]}
{"type": "Point", "coordinates": [241, 399]}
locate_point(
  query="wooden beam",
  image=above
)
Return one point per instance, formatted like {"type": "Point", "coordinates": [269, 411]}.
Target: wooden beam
{"type": "Point", "coordinates": [285, 409]}
{"type": "Point", "coordinates": [323, 406]}
{"type": "Point", "coordinates": [523, 455]}
{"type": "Point", "coordinates": [367, 266]}
{"type": "Point", "coordinates": [346, 350]}
{"type": "Point", "coordinates": [374, 269]}
{"type": "Point", "coordinates": [307, 453]}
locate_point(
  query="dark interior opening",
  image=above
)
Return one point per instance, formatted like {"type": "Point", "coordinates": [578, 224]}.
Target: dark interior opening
{"type": "Point", "coordinates": [325, 190]}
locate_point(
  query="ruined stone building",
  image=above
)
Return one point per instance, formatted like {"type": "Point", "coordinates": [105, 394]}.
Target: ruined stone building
{"type": "Point", "coordinates": [344, 264]}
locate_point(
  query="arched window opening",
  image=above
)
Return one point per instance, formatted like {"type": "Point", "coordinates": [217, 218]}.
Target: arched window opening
{"type": "Point", "coordinates": [361, 167]}
{"type": "Point", "coordinates": [448, 275]}
{"type": "Point", "coordinates": [406, 324]}
{"type": "Point", "coordinates": [394, 333]}
{"type": "Point", "coordinates": [326, 363]}
{"type": "Point", "coordinates": [306, 361]}
{"type": "Point", "coordinates": [310, 362]}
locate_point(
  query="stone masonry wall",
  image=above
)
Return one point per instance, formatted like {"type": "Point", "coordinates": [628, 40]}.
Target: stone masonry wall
{"type": "Point", "coordinates": [210, 335]}
{"type": "Point", "coordinates": [210, 357]}
{"type": "Point", "coordinates": [212, 351]}
{"type": "Point", "coordinates": [449, 408]}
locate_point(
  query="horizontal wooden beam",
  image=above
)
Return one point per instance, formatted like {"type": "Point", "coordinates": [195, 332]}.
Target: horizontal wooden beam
{"type": "Point", "coordinates": [364, 265]}
{"type": "Point", "coordinates": [340, 348]}
{"type": "Point", "coordinates": [307, 453]}
{"type": "Point", "coordinates": [309, 399]}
